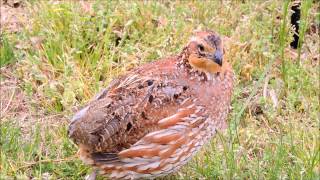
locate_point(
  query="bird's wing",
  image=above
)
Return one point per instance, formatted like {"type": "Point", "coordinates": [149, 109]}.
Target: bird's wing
{"type": "Point", "coordinates": [105, 122]}
{"type": "Point", "coordinates": [128, 109]}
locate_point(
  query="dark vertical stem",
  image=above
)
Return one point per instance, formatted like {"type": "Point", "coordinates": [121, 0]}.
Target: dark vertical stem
{"type": "Point", "coordinates": [295, 18]}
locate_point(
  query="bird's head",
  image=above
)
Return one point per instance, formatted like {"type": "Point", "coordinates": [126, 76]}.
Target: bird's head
{"type": "Point", "coordinates": [205, 52]}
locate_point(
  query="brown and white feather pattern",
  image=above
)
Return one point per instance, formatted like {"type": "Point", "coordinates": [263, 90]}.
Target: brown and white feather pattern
{"type": "Point", "coordinates": [151, 121]}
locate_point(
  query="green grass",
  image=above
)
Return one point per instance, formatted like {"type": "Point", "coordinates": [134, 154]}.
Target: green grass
{"type": "Point", "coordinates": [6, 51]}
{"type": "Point", "coordinates": [71, 54]}
{"type": "Point", "coordinates": [305, 7]}
{"type": "Point", "coordinates": [283, 40]}
{"type": "Point", "coordinates": [38, 153]}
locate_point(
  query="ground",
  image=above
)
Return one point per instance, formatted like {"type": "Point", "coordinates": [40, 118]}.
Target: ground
{"type": "Point", "coordinates": [56, 55]}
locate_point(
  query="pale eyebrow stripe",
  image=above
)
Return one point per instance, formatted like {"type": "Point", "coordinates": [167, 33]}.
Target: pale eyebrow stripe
{"type": "Point", "coordinates": [196, 39]}
{"type": "Point", "coordinates": [199, 40]}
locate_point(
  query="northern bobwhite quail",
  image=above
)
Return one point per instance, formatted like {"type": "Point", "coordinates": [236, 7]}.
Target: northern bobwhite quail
{"type": "Point", "coordinates": [152, 120]}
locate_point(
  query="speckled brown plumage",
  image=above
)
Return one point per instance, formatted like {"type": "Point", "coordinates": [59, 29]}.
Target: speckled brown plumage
{"type": "Point", "coordinates": [150, 121]}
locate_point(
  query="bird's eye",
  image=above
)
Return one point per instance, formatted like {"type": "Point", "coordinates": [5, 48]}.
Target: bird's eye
{"type": "Point", "coordinates": [200, 47]}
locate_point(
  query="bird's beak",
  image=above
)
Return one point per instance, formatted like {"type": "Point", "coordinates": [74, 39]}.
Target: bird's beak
{"type": "Point", "coordinates": [217, 57]}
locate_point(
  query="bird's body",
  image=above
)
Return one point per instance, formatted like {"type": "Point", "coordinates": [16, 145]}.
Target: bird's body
{"type": "Point", "coordinates": [150, 121]}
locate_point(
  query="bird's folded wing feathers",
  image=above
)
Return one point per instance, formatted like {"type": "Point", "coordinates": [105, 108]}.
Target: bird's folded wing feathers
{"type": "Point", "coordinates": [175, 141]}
